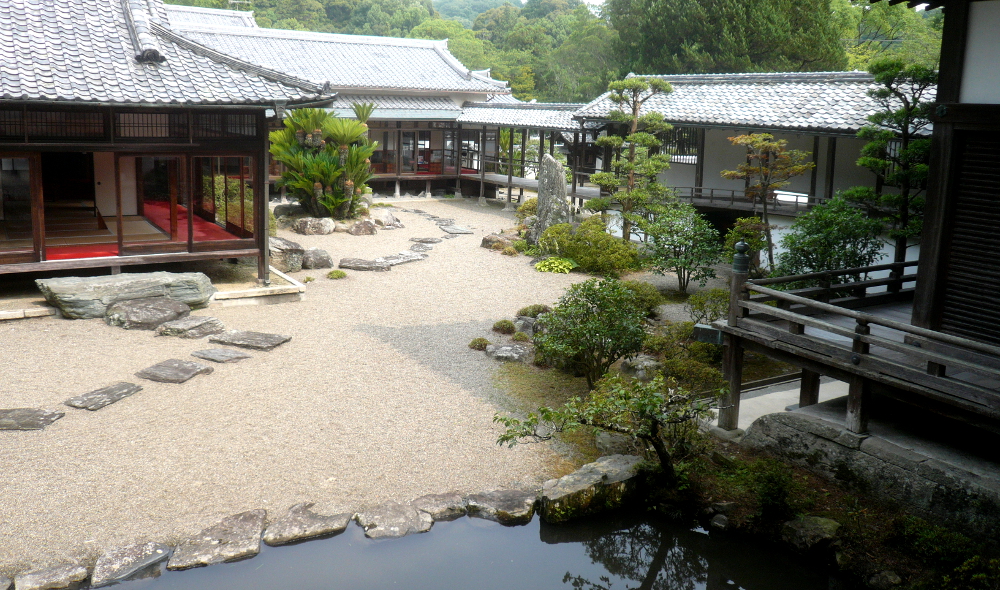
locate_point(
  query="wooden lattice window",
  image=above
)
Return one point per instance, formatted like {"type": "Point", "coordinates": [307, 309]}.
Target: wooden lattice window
{"type": "Point", "coordinates": [218, 125]}
{"type": "Point", "coordinates": [681, 141]}
{"type": "Point", "coordinates": [12, 124]}
{"type": "Point", "coordinates": [151, 125]}
{"type": "Point", "coordinates": [65, 124]}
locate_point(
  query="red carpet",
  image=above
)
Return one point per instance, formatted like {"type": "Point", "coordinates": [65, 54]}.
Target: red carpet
{"type": "Point", "coordinates": [84, 251]}
{"type": "Point", "coordinates": [158, 213]}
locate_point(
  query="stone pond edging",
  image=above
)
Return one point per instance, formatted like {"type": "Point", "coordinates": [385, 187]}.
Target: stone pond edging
{"type": "Point", "coordinates": [606, 484]}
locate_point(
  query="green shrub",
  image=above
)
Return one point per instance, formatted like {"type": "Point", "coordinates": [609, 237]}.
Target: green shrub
{"type": "Point", "coordinates": [497, 246]}
{"type": "Point", "coordinates": [591, 246]}
{"type": "Point", "coordinates": [774, 486]}
{"type": "Point", "coordinates": [479, 344]}
{"type": "Point", "coordinates": [533, 311]}
{"type": "Point", "coordinates": [705, 307]}
{"type": "Point", "coordinates": [521, 245]}
{"type": "Point", "coordinates": [272, 224]}
{"type": "Point", "coordinates": [308, 280]}
{"type": "Point", "coordinates": [382, 205]}
{"type": "Point", "coordinates": [556, 264]}
{"type": "Point", "coordinates": [520, 337]}
{"type": "Point", "coordinates": [527, 209]}
{"type": "Point", "coordinates": [336, 274]}
{"type": "Point", "coordinates": [647, 295]}
{"type": "Point", "coordinates": [510, 251]}
{"type": "Point", "coordinates": [504, 327]}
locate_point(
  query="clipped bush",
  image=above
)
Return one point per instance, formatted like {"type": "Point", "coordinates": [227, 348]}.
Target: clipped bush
{"type": "Point", "coordinates": [705, 307]}
{"type": "Point", "coordinates": [534, 310]}
{"type": "Point", "coordinates": [520, 337]}
{"type": "Point", "coordinates": [591, 246]}
{"type": "Point", "coordinates": [336, 274]}
{"type": "Point", "coordinates": [479, 344]}
{"type": "Point", "coordinates": [527, 209]}
{"type": "Point", "coordinates": [308, 279]}
{"type": "Point", "coordinates": [556, 264]}
{"type": "Point", "coordinates": [510, 251]}
{"type": "Point", "coordinates": [504, 327]}
{"type": "Point", "coordinates": [272, 224]}
{"type": "Point", "coordinates": [647, 295]}
{"type": "Point", "coordinates": [521, 245]}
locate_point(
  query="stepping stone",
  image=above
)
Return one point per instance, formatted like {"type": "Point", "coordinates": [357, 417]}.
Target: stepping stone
{"type": "Point", "coordinates": [27, 418]}
{"type": "Point", "coordinates": [302, 523]}
{"type": "Point", "coordinates": [455, 229]}
{"type": "Point", "coordinates": [508, 507]}
{"type": "Point", "coordinates": [145, 314]}
{"type": "Point", "coordinates": [448, 236]}
{"type": "Point", "coordinates": [444, 221]}
{"type": "Point", "coordinates": [122, 563]}
{"type": "Point", "coordinates": [419, 211]}
{"type": "Point", "coordinates": [191, 327]}
{"type": "Point", "coordinates": [97, 399]}
{"type": "Point", "coordinates": [362, 264]}
{"type": "Point", "coordinates": [221, 355]}
{"type": "Point", "coordinates": [5, 583]}
{"type": "Point", "coordinates": [401, 258]}
{"type": "Point", "coordinates": [421, 248]}
{"type": "Point", "coordinates": [426, 240]}
{"type": "Point", "coordinates": [251, 340]}
{"type": "Point", "coordinates": [392, 520]}
{"type": "Point", "coordinates": [173, 371]}
{"type": "Point", "coordinates": [233, 538]}
{"type": "Point", "coordinates": [65, 576]}
{"type": "Point", "coordinates": [442, 506]}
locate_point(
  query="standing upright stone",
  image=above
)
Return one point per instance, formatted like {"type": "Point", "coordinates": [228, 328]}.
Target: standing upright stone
{"type": "Point", "coordinates": [552, 205]}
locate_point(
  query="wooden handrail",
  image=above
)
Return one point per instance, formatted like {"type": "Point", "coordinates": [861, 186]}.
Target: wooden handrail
{"type": "Point", "coordinates": [834, 273]}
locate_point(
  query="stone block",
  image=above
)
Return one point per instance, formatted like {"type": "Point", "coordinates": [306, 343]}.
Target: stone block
{"type": "Point", "coordinates": [99, 398]}
{"type": "Point", "coordinates": [90, 297]}
{"type": "Point", "coordinates": [285, 255]}
{"type": "Point", "coordinates": [442, 507]}
{"type": "Point", "coordinates": [173, 371]}
{"type": "Point", "coordinates": [316, 258]}
{"type": "Point", "coordinates": [221, 355]}
{"type": "Point", "coordinates": [235, 537]}
{"type": "Point", "coordinates": [119, 564]}
{"type": "Point", "coordinates": [27, 418]}
{"type": "Point", "coordinates": [394, 520]}
{"type": "Point", "coordinates": [68, 577]}
{"type": "Point", "coordinates": [604, 484]}
{"type": "Point", "coordinates": [507, 507]}
{"type": "Point", "coordinates": [192, 327]}
{"type": "Point", "coordinates": [302, 523]}
{"type": "Point", "coordinates": [250, 340]}
{"type": "Point", "coordinates": [362, 264]}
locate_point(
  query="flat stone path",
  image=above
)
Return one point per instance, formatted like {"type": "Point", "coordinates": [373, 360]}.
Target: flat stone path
{"type": "Point", "coordinates": [174, 371]}
{"type": "Point", "coordinates": [103, 397]}
{"type": "Point", "coordinates": [27, 418]}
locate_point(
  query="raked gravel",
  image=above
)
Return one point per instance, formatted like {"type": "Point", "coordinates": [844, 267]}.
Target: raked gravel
{"type": "Point", "coordinates": [376, 398]}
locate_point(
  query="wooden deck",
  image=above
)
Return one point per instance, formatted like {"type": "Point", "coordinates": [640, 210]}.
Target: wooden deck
{"type": "Point", "coordinates": [582, 192]}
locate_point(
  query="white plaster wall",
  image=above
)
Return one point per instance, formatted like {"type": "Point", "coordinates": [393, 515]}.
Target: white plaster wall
{"type": "Point", "coordinates": [678, 175]}
{"type": "Point", "coordinates": [981, 76]}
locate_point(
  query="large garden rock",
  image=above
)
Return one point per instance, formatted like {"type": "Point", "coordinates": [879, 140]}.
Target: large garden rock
{"type": "Point", "coordinates": [442, 506]}
{"type": "Point", "coordinates": [316, 258]}
{"type": "Point", "coordinates": [383, 216]}
{"type": "Point", "coordinates": [508, 507]}
{"type": "Point", "coordinates": [235, 537]}
{"type": "Point", "coordinates": [119, 564]}
{"type": "Point", "coordinates": [286, 255]}
{"type": "Point", "coordinates": [810, 533]}
{"type": "Point", "coordinates": [90, 297]}
{"type": "Point", "coordinates": [495, 242]}
{"type": "Point", "coordinates": [362, 264]}
{"type": "Point", "coordinates": [145, 314]}
{"type": "Point", "coordinates": [314, 226]}
{"type": "Point", "coordinates": [363, 228]}
{"type": "Point", "coordinates": [252, 340]}
{"type": "Point", "coordinates": [192, 327]}
{"type": "Point", "coordinates": [5, 583]}
{"type": "Point", "coordinates": [526, 324]}
{"type": "Point", "coordinates": [27, 418]}
{"type": "Point", "coordinates": [401, 258]}
{"type": "Point", "coordinates": [302, 523]}
{"type": "Point", "coordinates": [99, 398]}
{"type": "Point", "coordinates": [394, 520]}
{"type": "Point", "coordinates": [602, 485]}
{"type": "Point", "coordinates": [65, 576]}
{"type": "Point", "coordinates": [552, 205]}
{"type": "Point", "coordinates": [641, 366]}
{"type": "Point", "coordinates": [515, 353]}
{"type": "Point", "coordinates": [289, 209]}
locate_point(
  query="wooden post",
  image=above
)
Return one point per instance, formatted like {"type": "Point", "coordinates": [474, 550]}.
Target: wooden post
{"type": "Point", "coordinates": [831, 163]}
{"type": "Point", "coordinates": [809, 388]}
{"type": "Point", "coordinates": [482, 166]}
{"type": "Point", "coordinates": [510, 164]}
{"type": "Point", "coordinates": [574, 164]}
{"type": "Point", "coordinates": [552, 144]}
{"type": "Point", "coordinates": [541, 147]}
{"type": "Point", "coordinates": [859, 390]}
{"type": "Point", "coordinates": [524, 153]}
{"type": "Point", "coordinates": [732, 362]}
{"type": "Point", "coordinates": [815, 170]}
{"type": "Point", "coordinates": [699, 166]}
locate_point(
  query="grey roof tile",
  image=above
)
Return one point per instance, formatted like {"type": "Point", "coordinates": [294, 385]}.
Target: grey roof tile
{"type": "Point", "coordinates": [534, 115]}
{"type": "Point", "coordinates": [828, 102]}
{"type": "Point", "coordinates": [194, 15]}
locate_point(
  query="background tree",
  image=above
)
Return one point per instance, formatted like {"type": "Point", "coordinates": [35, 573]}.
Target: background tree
{"type": "Point", "coordinates": [595, 323]}
{"type": "Point", "coordinates": [682, 36]}
{"type": "Point", "coordinates": [833, 235]}
{"type": "Point", "coordinates": [633, 180]}
{"type": "Point", "coordinates": [750, 230]}
{"type": "Point", "coordinates": [898, 149]}
{"type": "Point", "coordinates": [769, 166]}
{"type": "Point", "coordinates": [681, 241]}
{"type": "Point", "coordinates": [879, 30]}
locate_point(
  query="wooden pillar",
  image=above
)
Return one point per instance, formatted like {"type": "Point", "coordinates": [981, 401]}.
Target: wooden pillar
{"type": "Point", "coordinates": [552, 144]}
{"type": "Point", "coordinates": [699, 167]}
{"type": "Point", "coordinates": [831, 161]}
{"type": "Point", "coordinates": [574, 164]}
{"type": "Point", "coordinates": [541, 147]}
{"type": "Point", "coordinates": [172, 180]}
{"type": "Point", "coordinates": [732, 361]}
{"type": "Point", "coordinates": [510, 164]}
{"type": "Point", "coordinates": [859, 390]}
{"type": "Point", "coordinates": [809, 388]}
{"type": "Point", "coordinates": [120, 223]}
{"type": "Point", "coordinates": [261, 190]}
{"type": "Point", "coordinates": [457, 146]}
{"type": "Point", "coordinates": [482, 165]}
{"type": "Point", "coordinates": [815, 171]}
{"type": "Point", "coordinates": [524, 152]}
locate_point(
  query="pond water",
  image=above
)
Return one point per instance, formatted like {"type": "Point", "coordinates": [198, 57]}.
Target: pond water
{"type": "Point", "coordinates": [616, 551]}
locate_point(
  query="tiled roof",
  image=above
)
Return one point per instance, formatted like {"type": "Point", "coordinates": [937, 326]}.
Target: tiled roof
{"type": "Point", "coordinates": [828, 102]}
{"type": "Point", "coordinates": [533, 115]}
{"type": "Point", "coordinates": [194, 15]}
{"type": "Point", "coordinates": [348, 62]}
{"type": "Point", "coordinates": [427, 103]}
{"type": "Point", "coordinates": [115, 51]}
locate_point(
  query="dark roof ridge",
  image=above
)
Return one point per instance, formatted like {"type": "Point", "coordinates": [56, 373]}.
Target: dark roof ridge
{"type": "Point", "coordinates": [139, 22]}
{"type": "Point", "coordinates": [764, 77]}
{"type": "Point", "coordinates": [236, 63]}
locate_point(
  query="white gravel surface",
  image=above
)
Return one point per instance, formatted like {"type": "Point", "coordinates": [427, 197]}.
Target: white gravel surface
{"type": "Point", "coordinates": [376, 398]}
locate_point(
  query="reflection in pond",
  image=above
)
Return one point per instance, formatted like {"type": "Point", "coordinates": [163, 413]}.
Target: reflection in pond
{"type": "Point", "coordinates": [610, 552]}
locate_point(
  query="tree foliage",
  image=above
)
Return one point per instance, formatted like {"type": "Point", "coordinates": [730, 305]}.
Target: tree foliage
{"type": "Point", "coordinates": [898, 149]}
{"type": "Point", "coordinates": [833, 235]}
{"type": "Point", "coordinates": [595, 323]}
{"type": "Point", "coordinates": [878, 30]}
{"type": "Point", "coordinates": [326, 159]}
{"type": "Point", "coordinates": [715, 36]}
{"type": "Point", "coordinates": [750, 230]}
{"type": "Point", "coordinates": [681, 241]}
{"type": "Point", "coordinates": [769, 166]}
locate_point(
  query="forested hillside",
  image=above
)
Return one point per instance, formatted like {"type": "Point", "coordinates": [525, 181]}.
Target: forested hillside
{"type": "Point", "coordinates": [566, 51]}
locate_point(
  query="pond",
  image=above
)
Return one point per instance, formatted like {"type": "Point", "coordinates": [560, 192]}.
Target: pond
{"type": "Point", "coordinates": [614, 551]}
